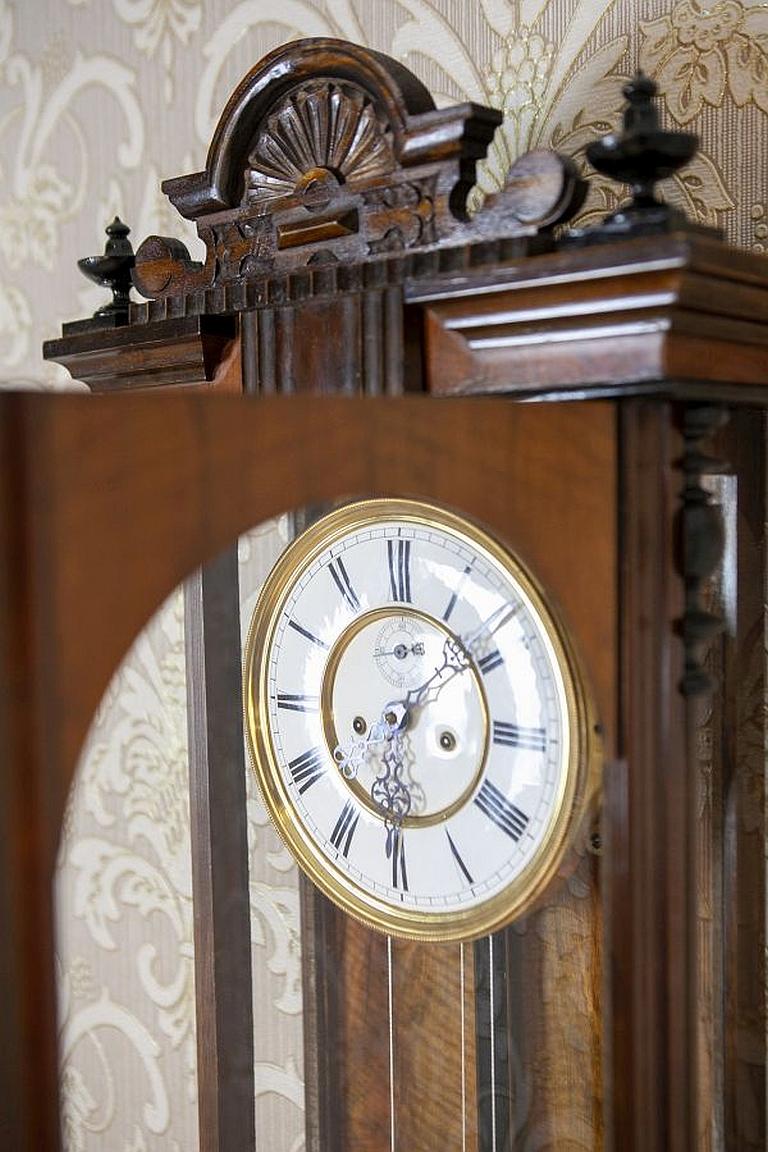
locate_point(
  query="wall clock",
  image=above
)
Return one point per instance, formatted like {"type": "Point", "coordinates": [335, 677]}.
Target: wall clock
{"type": "Point", "coordinates": [417, 721]}
{"type": "Point", "coordinates": [339, 259]}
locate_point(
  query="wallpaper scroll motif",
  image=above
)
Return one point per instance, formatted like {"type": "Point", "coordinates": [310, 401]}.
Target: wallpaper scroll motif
{"type": "Point", "coordinates": [157, 25]}
{"type": "Point", "coordinates": [125, 907]}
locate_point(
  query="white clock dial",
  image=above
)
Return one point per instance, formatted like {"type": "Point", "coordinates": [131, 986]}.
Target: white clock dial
{"type": "Point", "coordinates": [416, 722]}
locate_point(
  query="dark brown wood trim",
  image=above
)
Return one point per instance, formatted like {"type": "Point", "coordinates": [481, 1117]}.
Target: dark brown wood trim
{"type": "Point", "coordinates": [31, 795]}
{"type": "Point", "coordinates": [219, 836]}
{"type": "Point", "coordinates": [652, 899]}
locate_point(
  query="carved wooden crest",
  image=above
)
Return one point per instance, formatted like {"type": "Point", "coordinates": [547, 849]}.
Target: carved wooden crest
{"type": "Point", "coordinates": [327, 152]}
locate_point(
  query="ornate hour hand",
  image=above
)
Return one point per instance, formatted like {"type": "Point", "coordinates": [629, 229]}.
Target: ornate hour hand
{"type": "Point", "coordinates": [350, 758]}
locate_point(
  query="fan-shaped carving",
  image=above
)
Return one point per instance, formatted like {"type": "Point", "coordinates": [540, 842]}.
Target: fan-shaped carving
{"type": "Point", "coordinates": [324, 126]}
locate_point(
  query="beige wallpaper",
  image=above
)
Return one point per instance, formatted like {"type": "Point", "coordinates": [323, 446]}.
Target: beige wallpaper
{"type": "Point", "coordinates": [101, 99]}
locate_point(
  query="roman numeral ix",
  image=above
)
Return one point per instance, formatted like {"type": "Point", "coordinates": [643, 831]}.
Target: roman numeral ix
{"type": "Point", "coordinates": [505, 815]}
{"type": "Point", "coordinates": [296, 702]}
{"type": "Point", "coordinates": [399, 560]}
{"type": "Point", "coordinates": [515, 736]}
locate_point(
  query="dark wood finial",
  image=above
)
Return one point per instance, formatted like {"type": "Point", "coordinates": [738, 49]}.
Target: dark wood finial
{"type": "Point", "coordinates": [112, 270]}
{"type": "Point", "coordinates": [641, 155]}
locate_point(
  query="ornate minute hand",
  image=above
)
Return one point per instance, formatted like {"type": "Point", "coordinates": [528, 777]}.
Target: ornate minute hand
{"type": "Point", "coordinates": [456, 656]}
{"type": "Point", "coordinates": [456, 659]}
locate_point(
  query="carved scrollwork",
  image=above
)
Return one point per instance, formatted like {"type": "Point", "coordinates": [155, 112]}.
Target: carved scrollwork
{"type": "Point", "coordinates": [326, 150]}
{"type": "Point", "coordinates": [320, 135]}
{"type": "Point", "coordinates": [401, 216]}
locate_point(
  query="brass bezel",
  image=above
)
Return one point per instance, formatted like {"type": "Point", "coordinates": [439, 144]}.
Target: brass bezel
{"type": "Point", "coordinates": [578, 784]}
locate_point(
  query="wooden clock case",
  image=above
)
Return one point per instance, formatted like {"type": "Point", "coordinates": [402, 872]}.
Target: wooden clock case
{"type": "Point", "coordinates": [330, 290]}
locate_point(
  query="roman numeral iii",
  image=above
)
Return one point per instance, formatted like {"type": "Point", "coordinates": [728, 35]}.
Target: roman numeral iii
{"type": "Point", "coordinates": [516, 736]}
{"type": "Point", "coordinates": [490, 661]}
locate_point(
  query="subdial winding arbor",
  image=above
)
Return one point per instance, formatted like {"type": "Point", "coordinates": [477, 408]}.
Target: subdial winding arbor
{"type": "Point", "coordinates": [416, 720]}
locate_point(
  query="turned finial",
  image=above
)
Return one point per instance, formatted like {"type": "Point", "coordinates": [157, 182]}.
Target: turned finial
{"type": "Point", "coordinates": [112, 270]}
{"type": "Point", "coordinates": [640, 155]}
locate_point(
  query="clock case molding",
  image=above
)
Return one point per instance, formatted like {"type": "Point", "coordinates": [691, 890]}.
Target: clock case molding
{"type": "Point", "coordinates": [356, 273]}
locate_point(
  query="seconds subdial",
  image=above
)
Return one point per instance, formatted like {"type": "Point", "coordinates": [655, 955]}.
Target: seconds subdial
{"type": "Point", "coordinates": [401, 651]}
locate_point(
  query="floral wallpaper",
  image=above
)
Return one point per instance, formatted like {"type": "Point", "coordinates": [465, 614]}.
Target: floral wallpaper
{"type": "Point", "coordinates": [99, 101]}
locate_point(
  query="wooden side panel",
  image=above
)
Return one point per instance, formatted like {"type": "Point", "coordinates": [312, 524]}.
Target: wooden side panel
{"type": "Point", "coordinates": [652, 814]}
{"type": "Point", "coordinates": [30, 814]}
{"type": "Point", "coordinates": [743, 800]}
{"type": "Point", "coordinates": [553, 969]}
{"type": "Point", "coordinates": [364, 1037]}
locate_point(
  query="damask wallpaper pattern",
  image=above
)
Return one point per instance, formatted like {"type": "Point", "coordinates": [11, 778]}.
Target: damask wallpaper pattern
{"type": "Point", "coordinates": [99, 101]}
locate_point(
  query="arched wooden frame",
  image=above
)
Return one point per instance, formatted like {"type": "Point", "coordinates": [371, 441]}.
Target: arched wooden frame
{"type": "Point", "coordinates": [106, 505]}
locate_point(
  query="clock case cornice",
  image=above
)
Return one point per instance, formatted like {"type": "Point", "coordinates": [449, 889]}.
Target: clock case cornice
{"type": "Point", "coordinates": [689, 312]}
{"type": "Point", "coordinates": [333, 205]}
{"type": "Point", "coordinates": [331, 179]}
